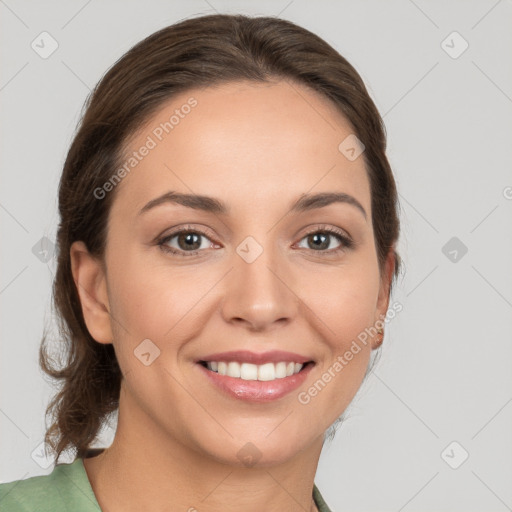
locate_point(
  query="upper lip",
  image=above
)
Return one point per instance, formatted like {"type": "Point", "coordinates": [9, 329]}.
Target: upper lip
{"type": "Point", "coordinates": [245, 356]}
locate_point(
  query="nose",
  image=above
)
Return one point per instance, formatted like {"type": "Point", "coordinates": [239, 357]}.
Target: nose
{"type": "Point", "coordinates": [260, 294]}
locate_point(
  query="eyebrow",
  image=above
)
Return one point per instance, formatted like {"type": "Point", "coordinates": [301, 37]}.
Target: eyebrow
{"type": "Point", "coordinates": [306, 202]}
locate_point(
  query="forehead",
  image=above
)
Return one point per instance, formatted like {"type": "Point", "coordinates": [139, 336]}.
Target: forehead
{"type": "Point", "coordinates": [251, 144]}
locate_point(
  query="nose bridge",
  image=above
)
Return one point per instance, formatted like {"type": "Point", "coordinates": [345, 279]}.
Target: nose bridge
{"type": "Point", "coordinates": [257, 290]}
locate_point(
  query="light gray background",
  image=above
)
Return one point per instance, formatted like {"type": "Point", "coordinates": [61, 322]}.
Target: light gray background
{"type": "Point", "coordinates": [445, 373]}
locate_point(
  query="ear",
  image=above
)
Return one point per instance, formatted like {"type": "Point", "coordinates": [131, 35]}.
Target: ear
{"type": "Point", "coordinates": [90, 281]}
{"type": "Point", "coordinates": [385, 287]}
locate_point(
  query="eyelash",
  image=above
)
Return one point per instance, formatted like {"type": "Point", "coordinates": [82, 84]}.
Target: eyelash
{"type": "Point", "coordinates": [346, 242]}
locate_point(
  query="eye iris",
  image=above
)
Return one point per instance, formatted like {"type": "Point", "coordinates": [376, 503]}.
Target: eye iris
{"type": "Point", "coordinates": [189, 239]}
{"type": "Point", "coordinates": [316, 237]}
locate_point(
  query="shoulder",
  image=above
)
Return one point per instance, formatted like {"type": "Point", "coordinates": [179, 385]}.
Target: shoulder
{"type": "Point", "coordinates": [65, 488]}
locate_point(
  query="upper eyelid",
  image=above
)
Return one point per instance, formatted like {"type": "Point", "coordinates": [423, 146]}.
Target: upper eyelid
{"type": "Point", "coordinates": [203, 230]}
{"type": "Point", "coordinates": [326, 227]}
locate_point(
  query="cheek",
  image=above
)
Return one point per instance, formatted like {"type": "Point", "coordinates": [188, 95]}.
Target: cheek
{"type": "Point", "coordinates": [147, 294]}
{"type": "Point", "coordinates": [343, 306]}
{"type": "Point", "coordinates": [344, 298]}
{"type": "Point", "coordinates": [154, 301]}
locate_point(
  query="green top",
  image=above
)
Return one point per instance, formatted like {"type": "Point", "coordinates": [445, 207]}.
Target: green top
{"type": "Point", "coordinates": [67, 488]}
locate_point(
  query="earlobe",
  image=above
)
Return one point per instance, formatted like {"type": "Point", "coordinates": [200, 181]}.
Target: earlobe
{"type": "Point", "coordinates": [90, 281]}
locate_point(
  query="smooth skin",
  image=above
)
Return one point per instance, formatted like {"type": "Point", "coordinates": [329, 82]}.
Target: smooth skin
{"type": "Point", "coordinates": [257, 148]}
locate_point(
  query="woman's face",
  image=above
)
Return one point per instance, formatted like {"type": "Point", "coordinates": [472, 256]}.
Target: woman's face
{"type": "Point", "coordinates": [254, 276]}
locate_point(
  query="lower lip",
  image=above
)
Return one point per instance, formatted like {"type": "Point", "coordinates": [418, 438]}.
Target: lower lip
{"type": "Point", "coordinates": [256, 390]}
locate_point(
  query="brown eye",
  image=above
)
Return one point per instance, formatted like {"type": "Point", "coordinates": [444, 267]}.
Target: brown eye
{"type": "Point", "coordinates": [321, 240]}
{"type": "Point", "coordinates": [186, 242]}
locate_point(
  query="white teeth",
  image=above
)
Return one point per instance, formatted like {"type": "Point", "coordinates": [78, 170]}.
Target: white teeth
{"type": "Point", "coordinates": [248, 371]}
{"type": "Point", "coordinates": [280, 370]}
{"type": "Point", "coordinates": [233, 369]}
{"type": "Point", "coordinates": [267, 371]}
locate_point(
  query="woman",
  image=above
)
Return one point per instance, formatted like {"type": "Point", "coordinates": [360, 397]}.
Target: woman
{"type": "Point", "coordinates": [226, 257]}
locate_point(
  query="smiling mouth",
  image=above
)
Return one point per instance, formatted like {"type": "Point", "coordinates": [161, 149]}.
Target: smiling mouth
{"type": "Point", "coordinates": [261, 372]}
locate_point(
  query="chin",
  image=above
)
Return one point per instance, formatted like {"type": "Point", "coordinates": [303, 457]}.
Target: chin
{"type": "Point", "coordinates": [258, 451]}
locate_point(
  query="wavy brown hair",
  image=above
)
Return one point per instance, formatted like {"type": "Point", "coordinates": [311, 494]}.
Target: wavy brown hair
{"type": "Point", "coordinates": [197, 52]}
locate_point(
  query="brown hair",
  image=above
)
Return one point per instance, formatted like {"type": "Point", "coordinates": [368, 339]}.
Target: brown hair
{"type": "Point", "coordinates": [197, 52]}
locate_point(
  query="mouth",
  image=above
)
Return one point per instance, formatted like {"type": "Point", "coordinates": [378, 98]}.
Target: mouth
{"type": "Point", "coordinates": [255, 377]}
